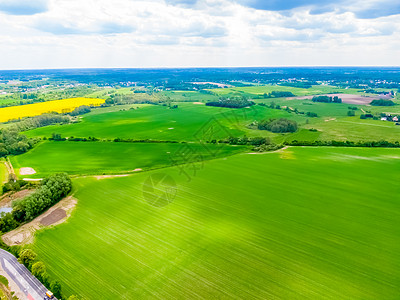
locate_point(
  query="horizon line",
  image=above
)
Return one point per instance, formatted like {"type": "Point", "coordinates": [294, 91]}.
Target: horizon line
{"type": "Point", "coordinates": [198, 67]}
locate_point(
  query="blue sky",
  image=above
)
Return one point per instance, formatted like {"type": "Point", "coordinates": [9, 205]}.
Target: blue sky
{"type": "Point", "coordinates": [185, 33]}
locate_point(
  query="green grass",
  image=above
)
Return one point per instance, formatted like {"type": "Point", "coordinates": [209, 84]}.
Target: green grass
{"type": "Point", "coordinates": [81, 158]}
{"type": "Point", "coordinates": [261, 89]}
{"type": "Point", "coordinates": [305, 223]}
{"type": "Point", "coordinates": [354, 129]}
{"type": "Point", "coordinates": [3, 172]}
{"type": "Point", "coordinates": [189, 96]}
{"type": "Point", "coordinates": [161, 123]}
{"type": "Point", "coordinates": [322, 109]}
{"type": "Point", "coordinates": [154, 122]}
{"type": "Point", "coordinates": [184, 123]}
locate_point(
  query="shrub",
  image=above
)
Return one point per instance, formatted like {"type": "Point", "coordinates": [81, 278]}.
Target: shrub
{"type": "Point", "coordinates": [382, 102]}
{"type": "Point", "coordinates": [39, 270]}
{"type": "Point", "coordinates": [55, 287]}
{"type": "Point", "coordinates": [84, 109]}
{"type": "Point", "coordinates": [278, 125]}
{"type": "Point", "coordinates": [27, 257]}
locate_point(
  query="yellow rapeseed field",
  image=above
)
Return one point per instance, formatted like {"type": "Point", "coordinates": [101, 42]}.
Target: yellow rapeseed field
{"type": "Point", "coordinates": [60, 106]}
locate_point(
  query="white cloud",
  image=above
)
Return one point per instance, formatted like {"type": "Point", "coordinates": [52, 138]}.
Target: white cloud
{"type": "Point", "coordinates": [152, 33]}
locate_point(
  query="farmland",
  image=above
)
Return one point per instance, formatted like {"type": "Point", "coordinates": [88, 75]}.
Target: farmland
{"type": "Point", "coordinates": [236, 215]}
{"type": "Point", "coordinates": [285, 228]}
{"type": "Point", "coordinates": [3, 172]}
{"type": "Point", "coordinates": [30, 110]}
{"type": "Point", "coordinates": [153, 122]}
{"type": "Point", "coordinates": [83, 158]}
{"type": "Point", "coordinates": [261, 89]}
{"type": "Point", "coordinates": [182, 124]}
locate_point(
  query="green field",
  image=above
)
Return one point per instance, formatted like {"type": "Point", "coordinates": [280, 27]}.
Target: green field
{"type": "Point", "coordinates": [161, 123]}
{"type": "Point", "coordinates": [261, 89]}
{"type": "Point", "coordinates": [3, 172]}
{"type": "Point", "coordinates": [184, 123]}
{"type": "Point", "coordinates": [82, 158]}
{"type": "Point", "coordinates": [303, 223]}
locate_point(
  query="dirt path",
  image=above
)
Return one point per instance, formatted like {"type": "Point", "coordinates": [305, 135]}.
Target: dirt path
{"type": "Point", "coordinates": [10, 169]}
{"type": "Point", "coordinates": [57, 214]}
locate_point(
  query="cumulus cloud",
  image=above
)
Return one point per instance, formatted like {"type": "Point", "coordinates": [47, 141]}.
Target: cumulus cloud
{"type": "Point", "coordinates": [198, 32]}
{"type": "Point", "coordinates": [23, 7]}
{"type": "Point", "coordinates": [363, 9]}
{"type": "Point", "coordinates": [58, 28]}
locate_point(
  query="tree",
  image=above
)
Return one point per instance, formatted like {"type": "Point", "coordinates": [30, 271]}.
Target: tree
{"type": "Point", "coordinates": [27, 257]}
{"type": "Point", "coordinates": [39, 270]}
{"type": "Point", "coordinates": [278, 125]}
{"type": "Point", "coordinates": [7, 222]}
{"type": "Point", "coordinates": [55, 287]}
{"type": "Point", "coordinates": [382, 102]}
{"type": "Point", "coordinates": [84, 109]}
{"type": "Point", "coordinates": [351, 113]}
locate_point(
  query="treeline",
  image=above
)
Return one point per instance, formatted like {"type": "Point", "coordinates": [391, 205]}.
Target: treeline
{"type": "Point", "coordinates": [382, 102]}
{"type": "Point", "coordinates": [19, 103]}
{"type": "Point", "coordinates": [235, 102]}
{"type": "Point", "coordinates": [40, 121]}
{"type": "Point", "coordinates": [333, 143]}
{"type": "Point", "coordinates": [116, 99]}
{"type": "Point", "coordinates": [58, 137]}
{"type": "Point", "coordinates": [50, 191]}
{"type": "Point", "coordinates": [327, 99]}
{"type": "Point", "coordinates": [281, 125]}
{"type": "Point", "coordinates": [14, 185]}
{"type": "Point", "coordinates": [260, 144]}
{"type": "Point", "coordinates": [372, 91]}
{"type": "Point", "coordinates": [13, 143]}
{"type": "Point", "coordinates": [83, 109]}
{"type": "Point", "coordinates": [278, 94]}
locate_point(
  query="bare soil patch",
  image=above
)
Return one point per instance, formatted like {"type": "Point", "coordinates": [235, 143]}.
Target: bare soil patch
{"type": "Point", "coordinates": [57, 214]}
{"type": "Point", "coordinates": [54, 217]}
{"type": "Point", "coordinates": [198, 103]}
{"type": "Point", "coordinates": [349, 98]}
{"type": "Point", "coordinates": [9, 197]}
{"type": "Point", "coordinates": [27, 171]}
{"type": "Point", "coordinates": [330, 119]}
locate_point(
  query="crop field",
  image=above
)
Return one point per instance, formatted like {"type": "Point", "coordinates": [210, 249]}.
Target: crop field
{"type": "Point", "coordinates": [161, 123]}
{"type": "Point", "coordinates": [184, 123]}
{"type": "Point", "coordinates": [188, 96]}
{"type": "Point", "coordinates": [82, 158]}
{"type": "Point", "coordinates": [30, 110]}
{"type": "Point", "coordinates": [355, 129]}
{"type": "Point", "coordinates": [3, 172]}
{"type": "Point", "coordinates": [261, 89]}
{"type": "Point", "coordinates": [293, 224]}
